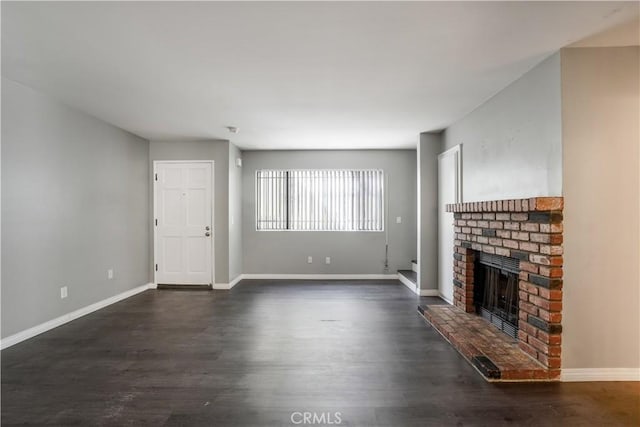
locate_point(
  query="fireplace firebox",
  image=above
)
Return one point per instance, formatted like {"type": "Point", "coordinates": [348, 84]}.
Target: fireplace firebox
{"type": "Point", "coordinates": [495, 295]}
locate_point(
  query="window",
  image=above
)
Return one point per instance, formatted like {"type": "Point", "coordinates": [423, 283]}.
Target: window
{"type": "Point", "coordinates": [320, 200]}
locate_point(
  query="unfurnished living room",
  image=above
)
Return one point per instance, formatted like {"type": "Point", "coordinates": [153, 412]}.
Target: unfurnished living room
{"type": "Point", "coordinates": [372, 214]}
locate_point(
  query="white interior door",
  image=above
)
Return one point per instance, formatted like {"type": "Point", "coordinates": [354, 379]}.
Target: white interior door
{"type": "Point", "coordinates": [448, 192]}
{"type": "Point", "coordinates": [183, 223]}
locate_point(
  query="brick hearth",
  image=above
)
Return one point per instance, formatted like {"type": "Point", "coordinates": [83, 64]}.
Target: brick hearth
{"type": "Point", "coordinates": [495, 354]}
{"type": "Point", "coordinates": [531, 231]}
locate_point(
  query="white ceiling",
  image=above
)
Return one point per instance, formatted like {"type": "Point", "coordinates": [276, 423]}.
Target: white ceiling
{"type": "Point", "coordinates": [289, 75]}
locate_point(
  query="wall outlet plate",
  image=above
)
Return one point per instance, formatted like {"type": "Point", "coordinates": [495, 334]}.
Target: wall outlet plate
{"type": "Point", "coordinates": [110, 274]}
{"type": "Point", "coordinates": [63, 292]}
{"type": "Point", "coordinates": [327, 260]}
{"type": "Point", "coordinates": [309, 260]}
{"type": "Point", "coordinates": [398, 220]}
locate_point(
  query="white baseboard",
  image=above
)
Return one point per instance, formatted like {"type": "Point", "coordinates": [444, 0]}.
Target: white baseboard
{"type": "Point", "coordinates": [66, 318]}
{"type": "Point", "coordinates": [603, 374]}
{"type": "Point", "coordinates": [320, 276]}
{"type": "Point", "coordinates": [408, 283]}
{"type": "Point", "coordinates": [429, 293]}
{"type": "Point", "coordinates": [227, 286]}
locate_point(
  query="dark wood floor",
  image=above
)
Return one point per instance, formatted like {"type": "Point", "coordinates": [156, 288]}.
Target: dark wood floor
{"type": "Point", "coordinates": [254, 355]}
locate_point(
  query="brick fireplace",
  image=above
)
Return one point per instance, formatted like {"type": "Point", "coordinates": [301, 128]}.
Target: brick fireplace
{"type": "Point", "coordinates": [529, 230]}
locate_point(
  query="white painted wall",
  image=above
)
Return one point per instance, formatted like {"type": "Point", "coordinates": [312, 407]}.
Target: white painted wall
{"type": "Point", "coordinates": [601, 139]}
{"type": "Point", "coordinates": [73, 206]}
{"type": "Point", "coordinates": [513, 143]}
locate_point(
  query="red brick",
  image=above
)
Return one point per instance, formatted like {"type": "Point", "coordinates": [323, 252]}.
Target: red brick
{"type": "Point", "coordinates": [539, 302]}
{"type": "Point", "coordinates": [518, 235]}
{"type": "Point", "coordinates": [489, 215]}
{"type": "Point", "coordinates": [524, 296]}
{"type": "Point", "coordinates": [503, 252]}
{"type": "Point", "coordinates": [554, 272]}
{"type": "Point", "coordinates": [555, 317]}
{"type": "Point", "coordinates": [554, 339]}
{"type": "Point", "coordinates": [551, 228]}
{"type": "Point", "coordinates": [543, 314]}
{"type": "Point", "coordinates": [529, 308]}
{"type": "Point", "coordinates": [555, 239]}
{"type": "Point", "coordinates": [529, 247]}
{"type": "Point", "coordinates": [529, 329]}
{"type": "Point", "coordinates": [540, 238]}
{"type": "Point", "coordinates": [496, 224]}
{"type": "Point", "coordinates": [554, 374]}
{"type": "Point", "coordinates": [512, 226]}
{"type": "Point", "coordinates": [527, 266]}
{"type": "Point", "coordinates": [495, 241]}
{"type": "Point", "coordinates": [528, 349]}
{"type": "Point", "coordinates": [530, 226]}
{"type": "Point", "coordinates": [522, 335]}
{"type": "Point", "coordinates": [503, 216]}
{"type": "Point", "coordinates": [529, 287]}
{"type": "Point", "coordinates": [555, 306]}
{"type": "Point", "coordinates": [519, 217]}
{"type": "Point", "coordinates": [510, 244]}
{"type": "Point", "coordinates": [504, 234]}
{"type": "Point", "coordinates": [554, 351]}
{"type": "Point", "coordinates": [489, 249]}
{"type": "Point", "coordinates": [551, 362]}
{"type": "Point", "coordinates": [538, 345]}
{"type": "Point", "coordinates": [549, 203]}
{"type": "Point", "coordinates": [551, 250]}
{"type": "Point", "coordinates": [523, 275]}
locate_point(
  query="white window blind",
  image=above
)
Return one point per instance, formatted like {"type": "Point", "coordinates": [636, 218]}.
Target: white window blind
{"type": "Point", "coordinates": [320, 200]}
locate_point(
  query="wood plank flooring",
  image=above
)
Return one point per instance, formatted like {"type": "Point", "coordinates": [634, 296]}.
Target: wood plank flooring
{"type": "Point", "coordinates": [254, 355]}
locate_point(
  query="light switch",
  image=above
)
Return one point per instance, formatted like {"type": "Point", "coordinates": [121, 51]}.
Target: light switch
{"type": "Point", "coordinates": [398, 220]}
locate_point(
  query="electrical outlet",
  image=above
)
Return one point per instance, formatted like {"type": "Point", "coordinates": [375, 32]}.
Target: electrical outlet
{"type": "Point", "coordinates": [309, 260]}
{"type": "Point", "coordinates": [110, 274]}
{"type": "Point", "coordinates": [398, 220]}
{"type": "Point", "coordinates": [327, 260]}
{"type": "Point", "coordinates": [63, 292]}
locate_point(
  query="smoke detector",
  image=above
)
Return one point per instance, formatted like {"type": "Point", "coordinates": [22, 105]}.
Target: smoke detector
{"type": "Point", "coordinates": [232, 129]}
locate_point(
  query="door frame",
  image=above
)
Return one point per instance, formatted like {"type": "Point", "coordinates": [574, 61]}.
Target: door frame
{"type": "Point", "coordinates": [154, 181]}
{"type": "Point", "coordinates": [457, 152]}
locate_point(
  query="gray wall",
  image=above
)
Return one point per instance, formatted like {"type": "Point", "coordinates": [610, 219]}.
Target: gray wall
{"type": "Point", "coordinates": [350, 252]}
{"type": "Point", "coordinates": [601, 134]}
{"type": "Point", "coordinates": [512, 144]}
{"type": "Point", "coordinates": [218, 151]}
{"type": "Point", "coordinates": [73, 205]}
{"type": "Point", "coordinates": [235, 213]}
{"type": "Point", "coordinates": [430, 146]}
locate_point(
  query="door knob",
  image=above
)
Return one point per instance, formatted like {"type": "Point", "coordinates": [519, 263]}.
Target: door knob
{"type": "Point", "coordinates": [207, 228]}
{"type": "Point", "coordinates": [207, 234]}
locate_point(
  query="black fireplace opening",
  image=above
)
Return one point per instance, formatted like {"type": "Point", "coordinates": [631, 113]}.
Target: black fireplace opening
{"type": "Point", "coordinates": [495, 293]}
